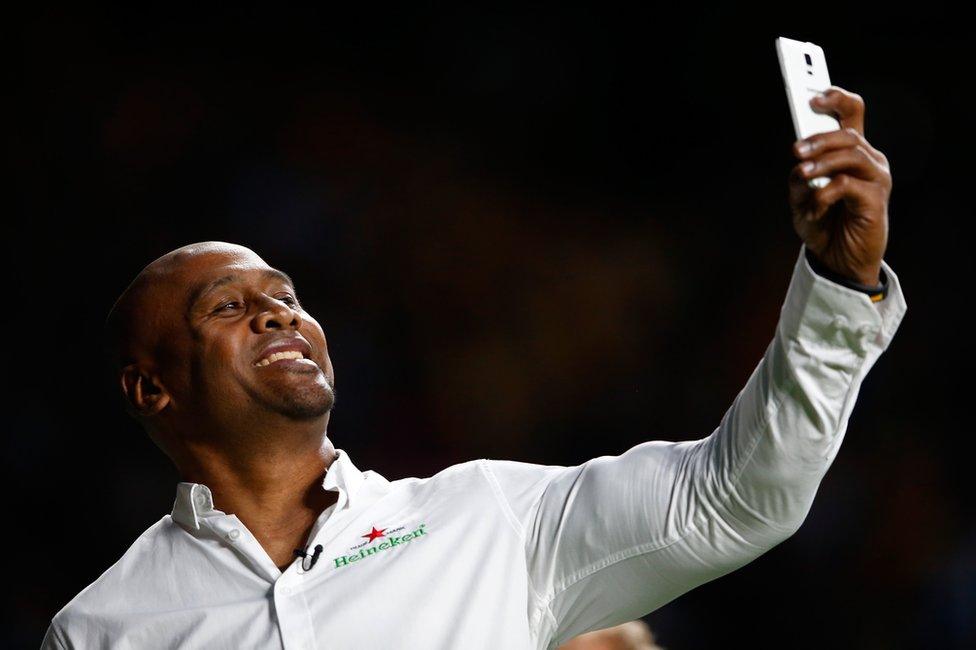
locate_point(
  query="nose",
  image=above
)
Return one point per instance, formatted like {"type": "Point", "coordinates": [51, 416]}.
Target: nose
{"type": "Point", "coordinates": [276, 315]}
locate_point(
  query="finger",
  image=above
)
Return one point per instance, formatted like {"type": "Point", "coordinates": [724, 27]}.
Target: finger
{"type": "Point", "coordinates": [846, 106]}
{"type": "Point", "coordinates": [800, 193]}
{"type": "Point", "coordinates": [841, 138]}
{"type": "Point", "coordinates": [859, 195]}
{"type": "Point", "coordinates": [851, 160]}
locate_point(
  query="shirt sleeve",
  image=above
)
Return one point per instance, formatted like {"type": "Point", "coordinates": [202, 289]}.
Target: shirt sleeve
{"type": "Point", "coordinates": [52, 639]}
{"type": "Point", "coordinates": [617, 537]}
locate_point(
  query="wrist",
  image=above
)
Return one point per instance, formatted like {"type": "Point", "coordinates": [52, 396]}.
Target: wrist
{"type": "Point", "coordinates": [872, 279]}
{"type": "Point", "coordinates": [876, 286]}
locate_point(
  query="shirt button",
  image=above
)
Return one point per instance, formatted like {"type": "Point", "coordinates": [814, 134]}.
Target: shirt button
{"type": "Point", "coordinates": [201, 499]}
{"type": "Point", "coordinates": [234, 534]}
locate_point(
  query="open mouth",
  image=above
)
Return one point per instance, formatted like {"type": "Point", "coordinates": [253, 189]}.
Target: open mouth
{"type": "Point", "coordinates": [282, 356]}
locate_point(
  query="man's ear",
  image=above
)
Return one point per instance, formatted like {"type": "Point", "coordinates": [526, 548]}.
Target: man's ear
{"type": "Point", "coordinates": [143, 393]}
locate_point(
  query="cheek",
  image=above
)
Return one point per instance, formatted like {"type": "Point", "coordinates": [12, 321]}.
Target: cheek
{"type": "Point", "coordinates": [316, 337]}
{"type": "Point", "coordinates": [312, 331]}
{"type": "Point", "coordinates": [220, 360]}
{"type": "Point", "coordinates": [176, 356]}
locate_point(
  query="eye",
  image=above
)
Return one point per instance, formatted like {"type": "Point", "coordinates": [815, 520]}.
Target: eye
{"type": "Point", "coordinates": [224, 306]}
{"type": "Point", "coordinates": [289, 300]}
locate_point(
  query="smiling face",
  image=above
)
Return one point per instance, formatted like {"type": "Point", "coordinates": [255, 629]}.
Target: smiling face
{"type": "Point", "coordinates": [212, 333]}
{"type": "Point", "coordinates": [251, 341]}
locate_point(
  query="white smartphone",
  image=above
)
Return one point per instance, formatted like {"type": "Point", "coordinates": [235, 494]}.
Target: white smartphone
{"type": "Point", "coordinates": [804, 70]}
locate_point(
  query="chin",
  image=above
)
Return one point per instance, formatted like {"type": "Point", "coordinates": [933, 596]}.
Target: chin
{"type": "Point", "coordinates": [305, 403]}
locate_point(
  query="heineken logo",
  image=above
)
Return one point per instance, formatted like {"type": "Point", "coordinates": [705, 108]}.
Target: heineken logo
{"type": "Point", "coordinates": [368, 548]}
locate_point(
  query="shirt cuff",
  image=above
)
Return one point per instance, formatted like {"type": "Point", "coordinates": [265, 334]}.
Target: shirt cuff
{"type": "Point", "coordinates": [823, 313]}
{"type": "Point", "coordinates": [874, 293]}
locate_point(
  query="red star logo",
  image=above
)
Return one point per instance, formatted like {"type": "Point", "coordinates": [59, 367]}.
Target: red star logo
{"type": "Point", "coordinates": [373, 534]}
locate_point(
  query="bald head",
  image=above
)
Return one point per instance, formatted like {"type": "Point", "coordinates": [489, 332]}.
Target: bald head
{"type": "Point", "coordinates": [211, 349]}
{"type": "Point", "coordinates": [136, 322]}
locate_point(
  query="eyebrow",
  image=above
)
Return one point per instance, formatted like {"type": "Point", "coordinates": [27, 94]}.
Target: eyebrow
{"type": "Point", "coordinates": [202, 290]}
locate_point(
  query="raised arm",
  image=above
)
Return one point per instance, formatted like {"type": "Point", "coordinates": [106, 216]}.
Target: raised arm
{"type": "Point", "coordinates": [619, 536]}
{"type": "Point", "coordinates": [615, 538]}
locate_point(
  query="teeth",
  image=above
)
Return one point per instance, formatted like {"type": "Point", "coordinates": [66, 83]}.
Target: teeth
{"type": "Point", "coordinates": [280, 355]}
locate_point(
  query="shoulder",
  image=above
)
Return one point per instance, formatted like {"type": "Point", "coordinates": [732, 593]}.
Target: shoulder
{"type": "Point", "coordinates": [119, 588]}
{"type": "Point", "coordinates": [462, 481]}
{"type": "Point", "coordinates": [516, 485]}
{"type": "Point", "coordinates": [467, 471]}
{"type": "Point", "coordinates": [505, 476]}
{"type": "Point", "coordinates": [517, 479]}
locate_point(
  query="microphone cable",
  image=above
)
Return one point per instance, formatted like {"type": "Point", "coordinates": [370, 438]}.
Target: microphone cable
{"type": "Point", "coordinates": [304, 554]}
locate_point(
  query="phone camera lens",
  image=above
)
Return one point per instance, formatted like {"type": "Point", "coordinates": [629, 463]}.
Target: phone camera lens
{"type": "Point", "coordinates": [809, 60]}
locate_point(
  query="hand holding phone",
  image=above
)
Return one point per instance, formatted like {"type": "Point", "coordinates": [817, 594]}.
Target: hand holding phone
{"type": "Point", "coordinates": [804, 69]}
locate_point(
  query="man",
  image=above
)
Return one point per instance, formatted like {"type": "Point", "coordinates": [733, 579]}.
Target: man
{"type": "Point", "coordinates": [231, 378]}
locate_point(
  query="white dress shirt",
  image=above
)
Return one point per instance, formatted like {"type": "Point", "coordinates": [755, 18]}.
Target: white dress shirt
{"type": "Point", "coordinates": [504, 554]}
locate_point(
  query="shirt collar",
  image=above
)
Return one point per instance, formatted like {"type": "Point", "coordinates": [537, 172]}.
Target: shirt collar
{"type": "Point", "coordinates": [194, 501]}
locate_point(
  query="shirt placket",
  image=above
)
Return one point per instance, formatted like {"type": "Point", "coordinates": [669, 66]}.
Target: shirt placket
{"type": "Point", "coordinates": [291, 609]}
{"type": "Point", "coordinates": [289, 587]}
{"type": "Point", "coordinates": [294, 616]}
{"type": "Point", "coordinates": [290, 590]}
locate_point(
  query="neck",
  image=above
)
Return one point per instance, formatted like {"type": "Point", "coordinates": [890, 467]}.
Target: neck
{"type": "Point", "coordinates": [270, 479]}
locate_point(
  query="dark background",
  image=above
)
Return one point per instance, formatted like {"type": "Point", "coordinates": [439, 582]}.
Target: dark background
{"type": "Point", "coordinates": [544, 235]}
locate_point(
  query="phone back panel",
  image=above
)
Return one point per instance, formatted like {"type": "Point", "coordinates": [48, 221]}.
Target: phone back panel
{"type": "Point", "coordinates": [803, 80]}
